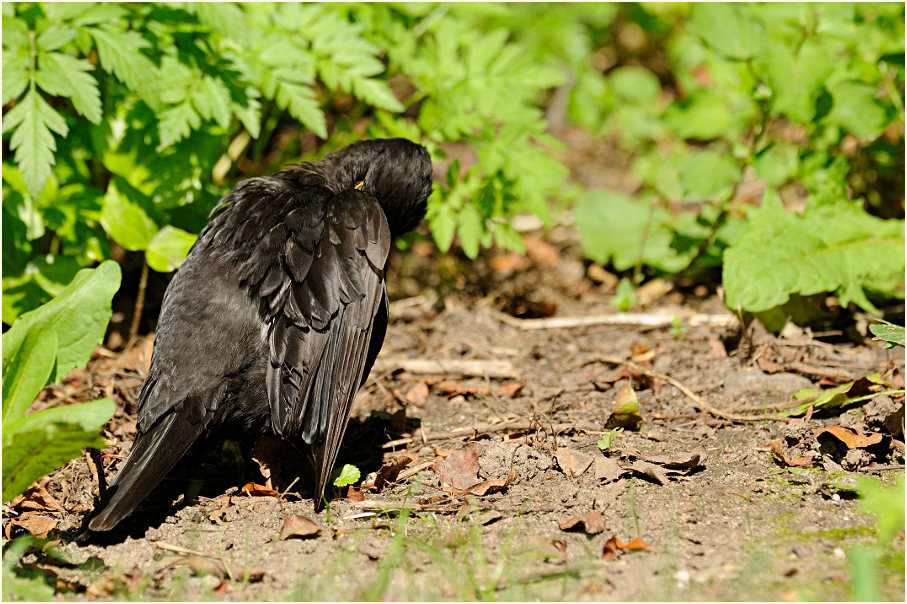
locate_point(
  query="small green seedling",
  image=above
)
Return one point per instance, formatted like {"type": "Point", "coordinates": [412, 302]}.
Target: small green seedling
{"type": "Point", "coordinates": [604, 443]}
{"type": "Point", "coordinates": [341, 477]}
{"type": "Point", "coordinates": [624, 299]}
{"type": "Point", "coordinates": [678, 329]}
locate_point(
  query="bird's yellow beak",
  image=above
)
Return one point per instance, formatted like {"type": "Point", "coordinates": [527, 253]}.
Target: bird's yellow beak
{"type": "Point", "coordinates": [360, 185]}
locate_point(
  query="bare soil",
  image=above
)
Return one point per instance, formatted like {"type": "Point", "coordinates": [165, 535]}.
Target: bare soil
{"type": "Point", "coordinates": [735, 523]}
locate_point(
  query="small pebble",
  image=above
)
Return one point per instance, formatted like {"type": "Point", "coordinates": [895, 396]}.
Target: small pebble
{"type": "Point", "coordinates": [839, 553]}
{"type": "Point", "coordinates": [682, 577]}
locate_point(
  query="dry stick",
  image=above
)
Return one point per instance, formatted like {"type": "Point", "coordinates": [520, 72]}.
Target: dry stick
{"type": "Point", "coordinates": [687, 392]}
{"type": "Point", "coordinates": [476, 368]}
{"type": "Point", "coordinates": [139, 303]}
{"type": "Point", "coordinates": [491, 428]}
{"type": "Point", "coordinates": [181, 550]}
{"type": "Point", "coordinates": [638, 319]}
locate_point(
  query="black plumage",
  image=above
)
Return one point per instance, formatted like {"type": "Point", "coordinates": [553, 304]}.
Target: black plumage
{"type": "Point", "coordinates": [275, 319]}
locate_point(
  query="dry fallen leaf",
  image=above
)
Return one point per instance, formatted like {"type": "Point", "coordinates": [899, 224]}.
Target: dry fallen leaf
{"type": "Point", "coordinates": [37, 498]}
{"type": "Point", "coordinates": [509, 390]}
{"type": "Point", "coordinates": [682, 460]}
{"type": "Point", "coordinates": [450, 389]}
{"type": "Point", "coordinates": [717, 349]}
{"type": "Point", "coordinates": [35, 523]}
{"type": "Point", "coordinates": [614, 545]}
{"type": "Point", "coordinates": [607, 469]}
{"type": "Point", "coordinates": [298, 526]}
{"type": "Point", "coordinates": [460, 469]}
{"type": "Point", "coordinates": [389, 472]}
{"type": "Point", "coordinates": [492, 486]}
{"type": "Point", "coordinates": [573, 462]}
{"type": "Point", "coordinates": [590, 523]}
{"type": "Point", "coordinates": [642, 352]}
{"type": "Point", "coordinates": [651, 470]}
{"type": "Point", "coordinates": [849, 436]}
{"type": "Point", "coordinates": [354, 494]}
{"type": "Point", "coordinates": [540, 252]}
{"type": "Point", "coordinates": [795, 462]}
{"type": "Point", "coordinates": [257, 490]}
{"type": "Point", "coordinates": [418, 394]}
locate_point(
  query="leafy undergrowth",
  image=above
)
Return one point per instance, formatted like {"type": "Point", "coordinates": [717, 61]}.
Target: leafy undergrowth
{"type": "Point", "coordinates": [501, 487]}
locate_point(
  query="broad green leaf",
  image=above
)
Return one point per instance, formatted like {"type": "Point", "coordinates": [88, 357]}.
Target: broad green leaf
{"type": "Point", "coordinates": [893, 334]}
{"type": "Point", "coordinates": [168, 249]}
{"type": "Point", "coordinates": [832, 398]}
{"type": "Point", "coordinates": [126, 221]}
{"type": "Point", "coordinates": [44, 441]}
{"type": "Point", "coordinates": [79, 315]}
{"type": "Point", "coordinates": [55, 36]}
{"type": "Point", "coordinates": [33, 122]}
{"type": "Point", "coordinates": [345, 476]}
{"type": "Point", "coordinates": [730, 29]}
{"type": "Point", "coordinates": [635, 84]}
{"type": "Point", "coordinates": [777, 164]}
{"type": "Point", "coordinates": [708, 175]}
{"type": "Point", "coordinates": [62, 75]}
{"type": "Point", "coordinates": [705, 115]}
{"type": "Point", "coordinates": [841, 250]}
{"type": "Point", "coordinates": [855, 108]}
{"type": "Point", "coordinates": [796, 76]}
{"type": "Point", "coordinates": [626, 231]}
{"type": "Point", "coordinates": [27, 368]}
{"type": "Point", "coordinates": [443, 225]}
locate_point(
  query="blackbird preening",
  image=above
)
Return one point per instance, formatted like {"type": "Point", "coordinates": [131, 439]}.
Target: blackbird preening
{"type": "Point", "coordinates": [275, 319]}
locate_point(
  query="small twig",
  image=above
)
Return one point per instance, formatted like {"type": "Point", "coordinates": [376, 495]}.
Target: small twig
{"type": "Point", "coordinates": [514, 426]}
{"type": "Point", "coordinates": [687, 392]}
{"type": "Point", "coordinates": [139, 304]}
{"type": "Point", "coordinates": [181, 550]}
{"type": "Point", "coordinates": [282, 495]}
{"type": "Point", "coordinates": [474, 368]}
{"type": "Point", "coordinates": [414, 470]}
{"type": "Point", "coordinates": [894, 466]}
{"type": "Point", "coordinates": [637, 319]}
{"type": "Point", "coordinates": [822, 372]}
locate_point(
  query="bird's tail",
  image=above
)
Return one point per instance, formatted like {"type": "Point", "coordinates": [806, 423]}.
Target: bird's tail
{"type": "Point", "coordinates": [153, 454]}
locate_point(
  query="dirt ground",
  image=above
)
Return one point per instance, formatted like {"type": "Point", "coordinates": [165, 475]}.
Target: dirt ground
{"type": "Point", "coordinates": [500, 489]}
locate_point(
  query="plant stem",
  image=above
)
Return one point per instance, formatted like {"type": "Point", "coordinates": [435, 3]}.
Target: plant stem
{"type": "Point", "coordinates": [139, 303]}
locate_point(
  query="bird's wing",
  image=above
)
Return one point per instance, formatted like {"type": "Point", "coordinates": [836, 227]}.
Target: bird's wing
{"type": "Point", "coordinates": [322, 295]}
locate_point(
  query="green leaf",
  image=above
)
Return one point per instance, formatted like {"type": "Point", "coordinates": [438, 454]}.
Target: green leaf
{"type": "Point", "coordinates": [176, 123]}
{"type": "Point", "coordinates": [604, 443]}
{"type": "Point", "coordinates": [840, 249]}
{"type": "Point", "coordinates": [15, 75]}
{"type": "Point", "coordinates": [345, 476]}
{"type": "Point", "coordinates": [27, 367]}
{"type": "Point", "coordinates": [730, 29]}
{"type": "Point", "coordinates": [120, 53]}
{"type": "Point", "coordinates": [886, 332]}
{"type": "Point", "coordinates": [470, 230]}
{"type": "Point", "coordinates": [777, 164]}
{"type": "Point", "coordinates": [635, 84]}
{"type": "Point", "coordinates": [126, 221]}
{"type": "Point", "coordinates": [708, 176]}
{"type": "Point", "coordinates": [376, 93]}
{"type": "Point", "coordinates": [443, 225]}
{"type": "Point", "coordinates": [299, 100]}
{"type": "Point", "coordinates": [886, 503]}
{"type": "Point", "coordinates": [43, 441]}
{"type": "Point", "coordinates": [62, 75]}
{"type": "Point", "coordinates": [796, 76]}
{"type": "Point", "coordinates": [626, 231]}
{"type": "Point", "coordinates": [832, 398]}
{"type": "Point", "coordinates": [625, 296]}
{"type": "Point", "coordinates": [55, 36]}
{"type": "Point", "coordinates": [79, 316]}
{"type": "Point", "coordinates": [32, 121]}
{"type": "Point", "coordinates": [856, 109]}
{"type": "Point", "coordinates": [168, 249]}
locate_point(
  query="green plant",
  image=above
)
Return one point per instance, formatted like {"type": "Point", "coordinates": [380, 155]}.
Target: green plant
{"type": "Point", "coordinates": [19, 583]}
{"type": "Point", "coordinates": [604, 443]}
{"type": "Point", "coordinates": [892, 335]}
{"type": "Point", "coordinates": [42, 347]}
{"type": "Point", "coordinates": [793, 97]}
{"type": "Point", "coordinates": [886, 503]}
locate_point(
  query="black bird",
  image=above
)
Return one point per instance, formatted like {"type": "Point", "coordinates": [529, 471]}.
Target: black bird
{"type": "Point", "coordinates": [274, 320]}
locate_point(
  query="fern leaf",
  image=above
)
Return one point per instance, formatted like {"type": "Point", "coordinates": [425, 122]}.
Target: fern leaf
{"type": "Point", "coordinates": [300, 102]}
{"type": "Point", "coordinates": [176, 123]}
{"type": "Point", "coordinates": [33, 122]}
{"type": "Point", "coordinates": [120, 53]}
{"type": "Point", "coordinates": [62, 75]}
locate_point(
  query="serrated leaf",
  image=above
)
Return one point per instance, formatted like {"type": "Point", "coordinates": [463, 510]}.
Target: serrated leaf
{"type": "Point", "coordinates": [27, 367]}
{"type": "Point", "coordinates": [120, 53]}
{"type": "Point", "coordinates": [840, 249]}
{"type": "Point", "coordinates": [168, 249]}
{"type": "Point", "coordinates": [55, 36]}
{"type": "Point", "coordinates": [62, 75]}
{"type": "Point", "coordinates": [212, 100]}
{"type": "Point", "coordinates": [79, 315]}
{"type": "Point", "coordinates": [299, 100]}
{"type": "Point", "coordinates": [15, 75]}
{"type": "Point", "coordinates": [177, 123]}
{"type": "Point", "coordinates": [376, 93]}
{"type": "Point", "coordinates": [33, 121]}
{"type": "Point", "coordinates": [43, 441]}
{"type": "Point", "coordinates": [126, 221]}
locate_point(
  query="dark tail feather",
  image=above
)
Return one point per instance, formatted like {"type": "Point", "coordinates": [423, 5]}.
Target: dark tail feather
{"type": "Point", "coordinates": [153, 454]}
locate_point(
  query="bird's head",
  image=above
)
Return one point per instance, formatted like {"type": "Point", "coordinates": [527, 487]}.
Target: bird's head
{"type": "Point", "coordinates": [396, 171]}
